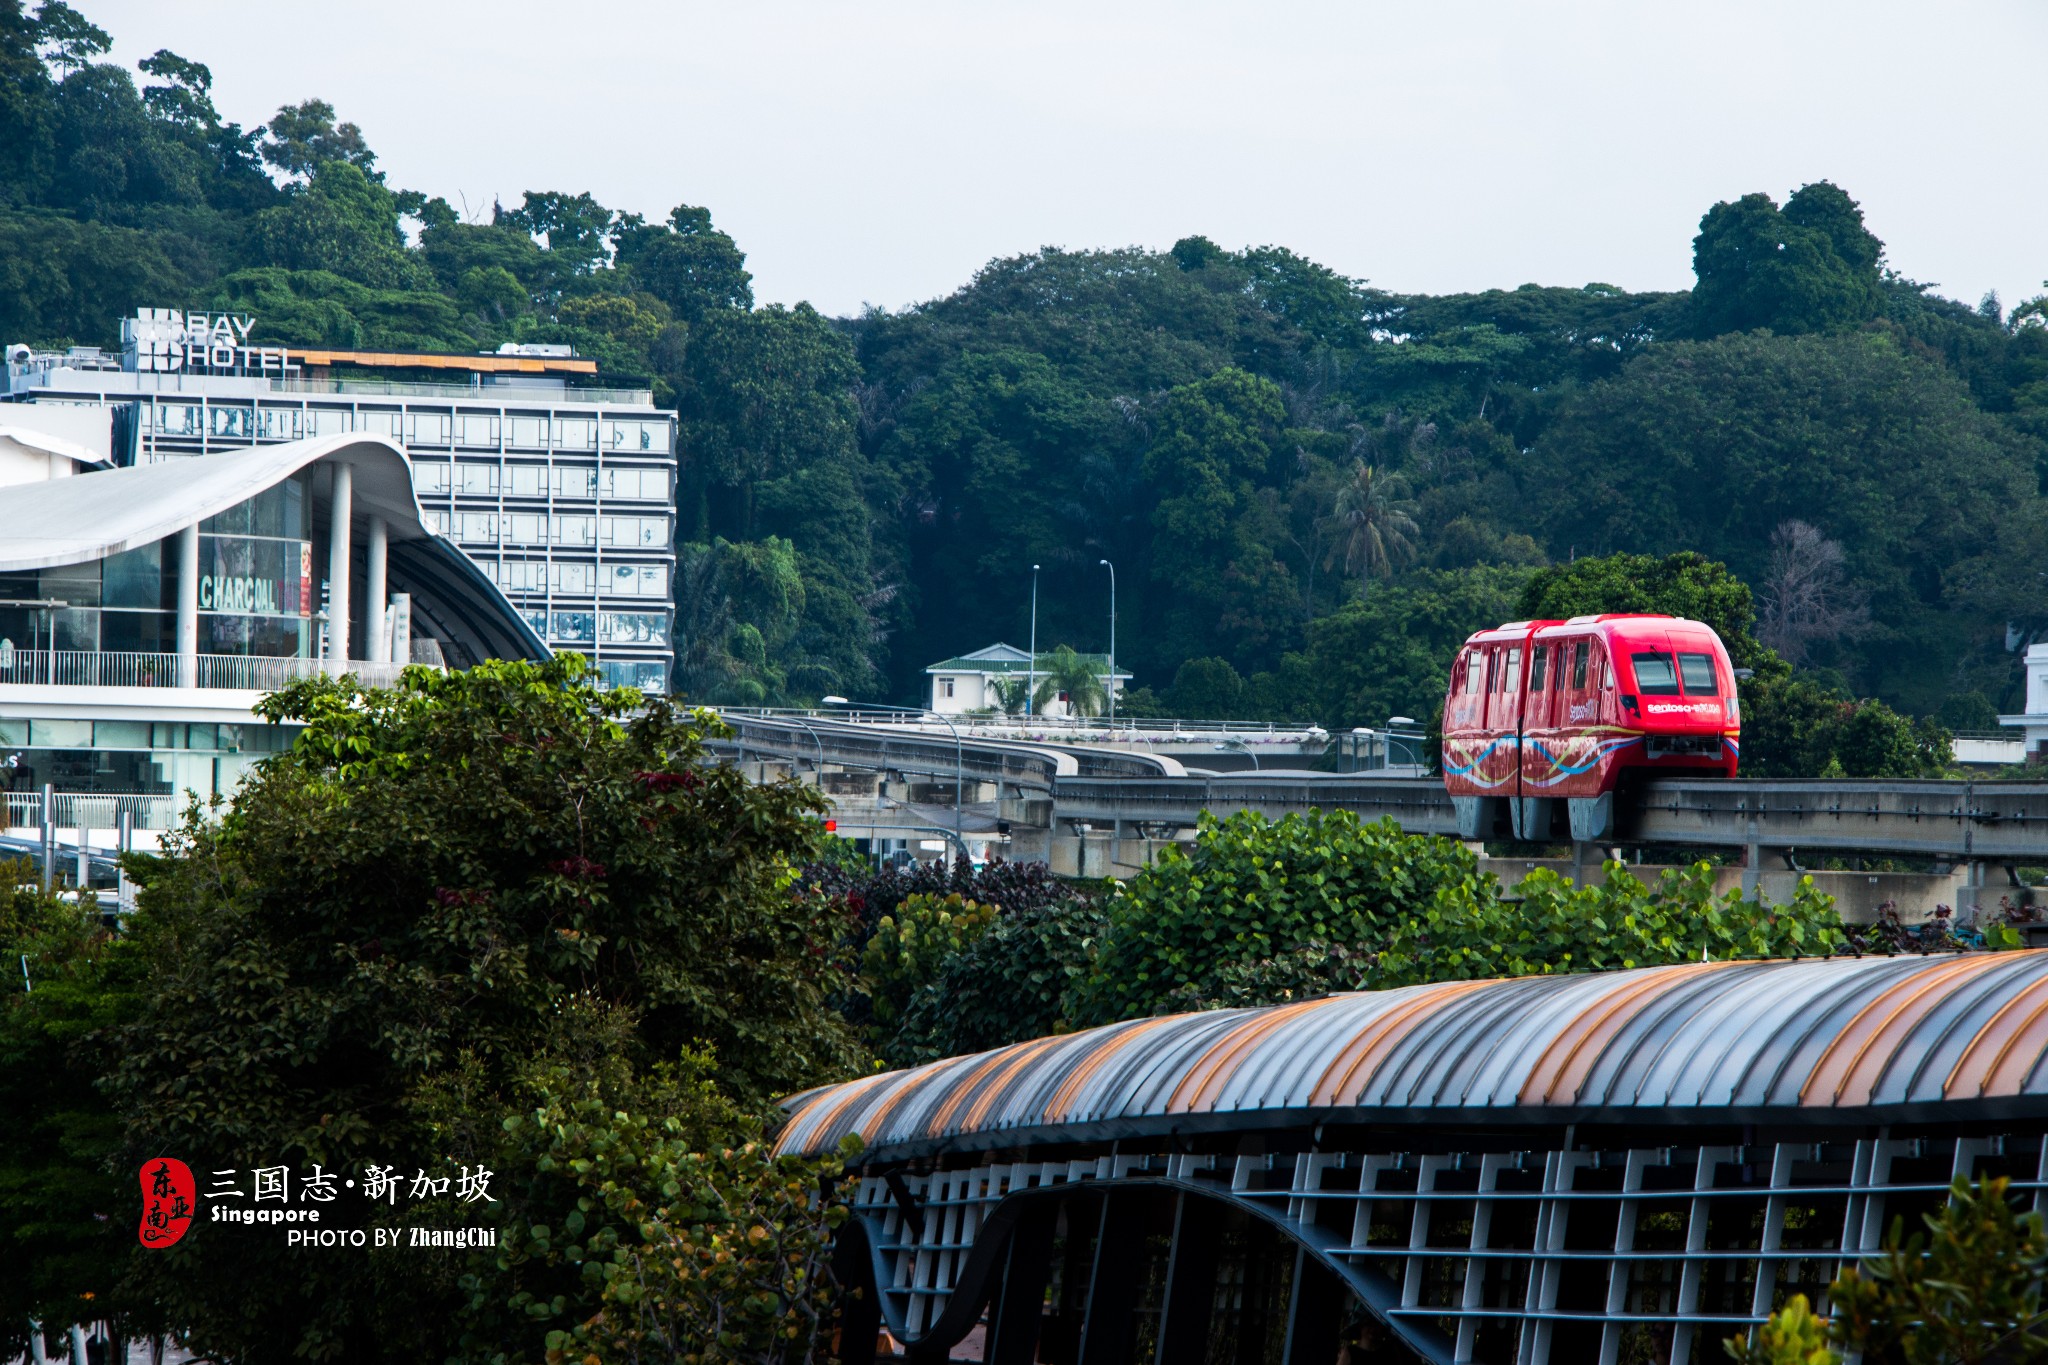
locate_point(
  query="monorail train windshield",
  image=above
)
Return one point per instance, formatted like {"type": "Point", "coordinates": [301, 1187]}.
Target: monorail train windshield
{"type": "Point", "coordinates": [1655, 675]}
{"type": "Point", "coordinates": [1698, 672]}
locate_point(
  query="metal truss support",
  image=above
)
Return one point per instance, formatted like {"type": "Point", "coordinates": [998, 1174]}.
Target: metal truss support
{"type": "Point", "coordinates": [1463, 1255]}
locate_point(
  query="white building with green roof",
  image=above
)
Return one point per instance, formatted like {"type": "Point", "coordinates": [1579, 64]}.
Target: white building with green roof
{"type": "Point", "coordinates": [972, 682]}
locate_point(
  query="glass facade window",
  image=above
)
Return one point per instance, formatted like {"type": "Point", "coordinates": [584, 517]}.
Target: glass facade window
{"type": "Point", "coordinates": [255, 595]}
{"type": "Point", "coordinates": [623, 435]}
{"type": "Point", "coordinates": [231, 424]}
{"type": "Point", "coordinates": [133, 757]}
{"type": "Point", "coordinates": [608, 627]}
{"type": "Point", "coordinates": [634, 627]}
{"type": "Point", "coordinates": [255, 589]}
{"type": "Point", "coordinates": [426, 428]}
{"type": "Point", "coordinates": [648, 677]}
{"type": "Point", "coordinates": [476, 478]}
{"type": "Point", "coordinates": [177, 419]}
{"type": "Point", "coordinates": [648, 532]}
{"type": "Point", "coordinates": [638, 580]}
{"type": "Point", "coordinates": [279, 512]}
{"type": "Point", "coordinates": [619, 580]}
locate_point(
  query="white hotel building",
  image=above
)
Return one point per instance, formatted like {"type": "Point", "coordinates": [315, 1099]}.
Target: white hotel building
{"type": "Point", "coordinates": [562, 493]}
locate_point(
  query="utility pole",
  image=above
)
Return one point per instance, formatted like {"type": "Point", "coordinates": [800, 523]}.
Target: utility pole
{"type": "Point", "coordinates": [1112, 642]}
{"type": "Point", "coordinates": [1031, 669]}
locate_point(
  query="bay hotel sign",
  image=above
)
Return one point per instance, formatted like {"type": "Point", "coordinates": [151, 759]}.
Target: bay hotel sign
{"type": "Point", "coordinates": [174, 341]}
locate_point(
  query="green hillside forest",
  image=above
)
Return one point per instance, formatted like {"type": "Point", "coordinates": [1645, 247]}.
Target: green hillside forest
{"type": "Point", "coordinates": [1311, 487]}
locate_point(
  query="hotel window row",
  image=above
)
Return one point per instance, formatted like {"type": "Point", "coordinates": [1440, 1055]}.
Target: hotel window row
{"type": "Point", "coordinates": [490, 430]}
{"type": "Point", "coordinates": [533, 528]}
{"type": "Point", "coordinates": [475, 478]}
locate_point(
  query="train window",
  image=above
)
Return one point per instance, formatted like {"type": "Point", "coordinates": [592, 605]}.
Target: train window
{"type": "Point", "coordinates": [1579, 666]}
{"type": "Point", "coordinates": [1698, 672]}
{"type": "Point", "coordinates": [1473, 673]}
{"type": "Point", "coordinates": [1511, 672]}
{"type": "Point", "coordinates": [1655, 676]}
{"type": "Point", "coordinates": [1537, 659]}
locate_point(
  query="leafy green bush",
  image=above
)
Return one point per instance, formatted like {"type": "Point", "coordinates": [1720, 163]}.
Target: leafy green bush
{"type": "Point", "coordinates": [1549, 925]}
{"type": "Point", "coordinates": [1008, 986]}
{"type": "Point", "coordinates": [1250, 890]}
{"type": "Point", "coordinates": [1793, 1335]}
{"type": "Point", "coordinates": [1966, 1291]}
{"type": "Point", "coordinates": [909, 947]}
{"type": "Point", "coordinates": [1260, 912]}
{"type": "Point", "coordinates": [689, 1248]}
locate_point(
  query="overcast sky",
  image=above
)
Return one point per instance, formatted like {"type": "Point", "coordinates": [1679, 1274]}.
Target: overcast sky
{"type": "Point", "coordinates": [880, 152]}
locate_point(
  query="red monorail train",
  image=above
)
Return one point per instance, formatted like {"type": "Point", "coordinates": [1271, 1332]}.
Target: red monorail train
{"type": "Point", "coordinates": [1545, 718]}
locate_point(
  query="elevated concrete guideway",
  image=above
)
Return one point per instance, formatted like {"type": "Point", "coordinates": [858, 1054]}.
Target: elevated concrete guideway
{"type": "Point", "coordinates": [1091, 811]}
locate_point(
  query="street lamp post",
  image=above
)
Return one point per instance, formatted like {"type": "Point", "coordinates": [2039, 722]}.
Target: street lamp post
{"type": "Point", "coordinates": [1112, 642]}
{"type": "Point", "coordinates": [1402, 728]}
{"type": "Point", "coordinates": [1031, 669]}
{"type": "Point", "coordinates": [959, 767]}
{"type": "Point", "coordinates": [821, 748]}
{"type": "Point", "coordinates": [1239, 746]}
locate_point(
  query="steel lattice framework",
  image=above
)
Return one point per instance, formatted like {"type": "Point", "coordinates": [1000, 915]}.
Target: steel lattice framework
{"type": "Point", "coordinates": [1624, 1167]}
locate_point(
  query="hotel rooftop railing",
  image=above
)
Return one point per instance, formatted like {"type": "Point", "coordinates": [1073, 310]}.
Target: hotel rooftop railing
{"type": "Point", "coordinates": [508, 395]}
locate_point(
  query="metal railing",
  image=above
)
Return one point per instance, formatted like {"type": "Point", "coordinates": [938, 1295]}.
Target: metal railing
{"type": "Point", "coordinates": [1093, 728]}
{"type": "Point", "coordinates": [93, 810]}
{"type": "Point", "coordinates": [513, 394]}
{"type": "Point", "coordinates": [237, 672]}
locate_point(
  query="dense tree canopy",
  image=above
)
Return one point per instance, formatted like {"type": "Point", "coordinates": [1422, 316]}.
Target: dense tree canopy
{"type": "Point", "coordinates": [1263, 447]}
{"type": "Point", "coordinates": [454, 901]}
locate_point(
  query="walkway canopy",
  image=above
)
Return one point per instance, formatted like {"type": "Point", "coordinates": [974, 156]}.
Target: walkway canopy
{"type": "Point", "coordinates": [1879, 1039]}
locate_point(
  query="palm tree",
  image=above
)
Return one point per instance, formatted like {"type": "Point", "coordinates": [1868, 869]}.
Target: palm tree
{"type": "Point", "coordinates": [1010, 694]}
{"type": "Point", "coordinates": [1074, 674]}
{"type": "Point", "coordinates": [1375, 524]}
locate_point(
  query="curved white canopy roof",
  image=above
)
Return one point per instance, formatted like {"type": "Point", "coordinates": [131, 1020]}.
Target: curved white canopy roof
{"type": "Point", "coordinates": [72, 521]}
{"type": "Point", "coordinates": [91, 516]}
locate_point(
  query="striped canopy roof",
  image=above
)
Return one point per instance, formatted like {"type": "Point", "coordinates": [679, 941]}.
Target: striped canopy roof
{"type": "Point", "coordinates": [1895, 1039]}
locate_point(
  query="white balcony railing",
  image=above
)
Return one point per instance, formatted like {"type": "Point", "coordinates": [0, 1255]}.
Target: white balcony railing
{"type": "Point", "coordinates": [90, 668]}
{"type": "Point", "coordinates": [91, 810]}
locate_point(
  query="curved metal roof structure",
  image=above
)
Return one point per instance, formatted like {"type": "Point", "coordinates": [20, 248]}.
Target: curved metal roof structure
{"type": "Point", "coordinates": [91, 516]}
{"type": "Point", "coordinates": [70, 521]}
{"type": "Point", "coordinates": [1892, 1039]}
